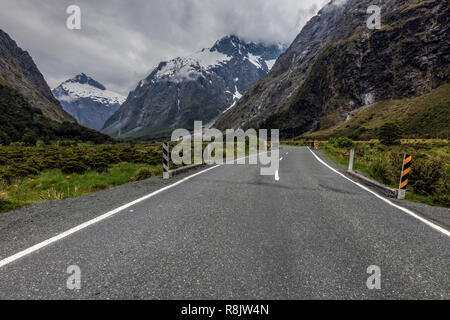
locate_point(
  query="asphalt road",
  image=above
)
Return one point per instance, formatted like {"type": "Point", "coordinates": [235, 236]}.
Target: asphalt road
{"type": "Point", "coordinates": [230, 233]}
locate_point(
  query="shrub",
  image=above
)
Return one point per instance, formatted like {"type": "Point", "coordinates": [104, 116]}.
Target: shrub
{"type": "Point", "coordinates": [18, 171]}
{"type": "Point", "coordinates": [100, 165]}
{"type": "Point", "coordinates": [427, 175]}
{"type": "Point", "coordinates": [343, 142]}
{"type": "Point", "coordinates": [389, 133]}
{"type": "Point", "coordinates": [379, 168]}
{"type": "Point", "coordinates": [143, 174]}
{"type": "Point", "coordinates": [29, 138]}
{"type": "Point", "coordinates": [4, 138]}
{"type": "Point", "coordinates": [442, 200]}
{"type": "Point", "coordinates": [74, 166]}
{"type": "Point", "coordinates": [17, 144]}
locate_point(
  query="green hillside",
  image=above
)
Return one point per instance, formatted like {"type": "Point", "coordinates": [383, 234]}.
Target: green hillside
{"type": "Point", "coordinates": [20, 122]}
{"type": "Point", "coordinates": [426, 116]}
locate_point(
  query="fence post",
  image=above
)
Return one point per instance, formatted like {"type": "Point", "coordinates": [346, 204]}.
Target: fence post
{"type": "Point", "coordinates": [404, 177]}
{"type": "Point", "coordinates": [352, 159]}
{"type": "Point", "coordinates": [166, 160]}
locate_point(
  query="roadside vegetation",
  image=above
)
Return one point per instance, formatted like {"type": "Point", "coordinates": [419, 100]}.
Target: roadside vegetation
{"type": "Point", "coordinates": [67, 169]}
{"type": "Point", "coordinates": [32, 174]}
{"type": "Point", "coordinates": [430, 171]}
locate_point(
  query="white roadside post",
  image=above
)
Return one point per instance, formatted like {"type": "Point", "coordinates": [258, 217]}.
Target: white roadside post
{"type": "Point", "coordinates": [208, 155]}
{"type": "Point", "coordinates": [352, 159]}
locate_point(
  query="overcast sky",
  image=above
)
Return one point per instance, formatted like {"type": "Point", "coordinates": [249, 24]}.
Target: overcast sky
{"type": "Point", "coordinates": [121, 41]}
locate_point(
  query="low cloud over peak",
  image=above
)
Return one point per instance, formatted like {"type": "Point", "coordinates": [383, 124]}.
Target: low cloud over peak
{"type": "Point", "coordinates": [121, 41]}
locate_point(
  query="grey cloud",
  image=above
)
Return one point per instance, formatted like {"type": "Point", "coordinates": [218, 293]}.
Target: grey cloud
{"type": "Point", "coordinates": [121, 41]}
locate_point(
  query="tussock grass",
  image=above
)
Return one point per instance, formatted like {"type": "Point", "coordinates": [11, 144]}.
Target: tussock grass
{"type": "Point", "coordinates": [55, 185]}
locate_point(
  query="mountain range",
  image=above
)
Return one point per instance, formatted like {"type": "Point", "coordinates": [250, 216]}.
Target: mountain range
{"type": "Point", "coordinates": [337, 66]}
{"type": "Point", "coordinates": [28, 110]}
{"type": "Point", "coordinates": [338, 77]}
{"type": "Point", "coordinates": [201, 86]}
{"type": "Point", "coordinates": [88, 101]}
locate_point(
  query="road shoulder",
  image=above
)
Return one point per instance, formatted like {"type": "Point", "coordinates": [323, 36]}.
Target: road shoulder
{"type": "Point", "coordinates": [437, 215]}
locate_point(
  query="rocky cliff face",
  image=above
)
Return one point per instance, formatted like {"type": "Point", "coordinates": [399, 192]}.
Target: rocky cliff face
{"type": "Point", "coordinates": [198, 87]}
{"type": "Point", "coordinates": [88, 101]}
{"type": "Point", "coordinates": [18, 70]}
{"type": "Point", "coordinates": [337, 65]}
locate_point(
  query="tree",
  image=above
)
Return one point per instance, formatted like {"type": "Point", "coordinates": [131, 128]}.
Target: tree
{"type": "Point", "coordinates": [4, 138]}
{"type": "Point", "coordinates": [390, 133]}
{"type": "Point", "coordinates": [29, 138]}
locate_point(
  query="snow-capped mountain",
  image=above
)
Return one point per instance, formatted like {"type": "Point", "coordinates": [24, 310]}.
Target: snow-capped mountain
{"type": "Point", "coordinates": [88, 101]}
{"type": "Point", "coordinates": [200, 86]}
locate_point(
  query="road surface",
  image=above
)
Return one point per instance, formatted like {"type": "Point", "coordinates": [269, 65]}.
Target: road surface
{"type": "Point", "coordinates": [230, 233]}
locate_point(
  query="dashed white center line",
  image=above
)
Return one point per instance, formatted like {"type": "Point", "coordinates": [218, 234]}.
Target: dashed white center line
{"type": "Point", "coordinates": [281, 158]}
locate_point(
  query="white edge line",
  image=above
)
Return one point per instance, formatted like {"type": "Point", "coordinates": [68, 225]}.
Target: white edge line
{"type": "Point", "coordinates": [86, 224]}
{"type": "Point", "coordinates": [107, 215]}
{"type": "Point", "coordinates": [430, 224]}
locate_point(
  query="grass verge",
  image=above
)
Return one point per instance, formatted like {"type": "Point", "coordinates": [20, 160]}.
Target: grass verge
{"type": "Point", "coordinates": [430, 172]}
{"type": "Point", "coordinates": [55, 185]}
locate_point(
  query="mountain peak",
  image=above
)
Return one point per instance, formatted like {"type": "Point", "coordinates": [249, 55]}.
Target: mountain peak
{"type": "Point", "coordinates": [82, 78]}
{"type": "Point", "coordinates": [200, 86]}
{"type": "Point", "coordinates": [88, 100]}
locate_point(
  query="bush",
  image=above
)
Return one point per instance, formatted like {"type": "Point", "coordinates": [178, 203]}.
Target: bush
{"type": "Point", "coordinates": [74, 166]}
{"type": "Point", "coordinates": [29, 138]}
{"type": "Point", "coordinates": [427, 175]}
{"type": "Point", "coordinates": [100, 165]}
{"type": "Point", "coordinates": [143, 174]}
{"type": "Point", "coordinates": [442, 200]}
{"type": "Point", "coordinates": [390, 133]}
{"type": "Point", "coordinates": [17, 144]}
{"type": "Point", "coordinates": [379, 168]}
{"type": "Point", "coordinates": [19, 171]}
{"type": "Point", "coordinates": [4, 138]}
{"type": "Point", "coordinates": [343, 142]}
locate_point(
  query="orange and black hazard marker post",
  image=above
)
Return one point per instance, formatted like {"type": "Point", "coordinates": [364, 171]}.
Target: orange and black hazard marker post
{"type": "Point", "coordinates": [316, 144]}
{"type": "Point", "coordinates": [404, 179]}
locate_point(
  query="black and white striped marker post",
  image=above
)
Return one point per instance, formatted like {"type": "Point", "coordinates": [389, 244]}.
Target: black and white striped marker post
{"type": "Point", "coordinates": [166, 160]}
{"type": "Point", "coordinates": [404, 179]}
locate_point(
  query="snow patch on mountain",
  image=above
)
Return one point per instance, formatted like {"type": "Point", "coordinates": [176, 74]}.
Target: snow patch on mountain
{"type": "Point", "coordinates": [236, 96]}
{"type": "Point", "coordinates": [270, 63]}
{"type": "Point", "coordinates": [255, 60]}
{"type": "Point", "coordinates": [72, 91]}
{"type": "Point", "coordinates": [191, 67]}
